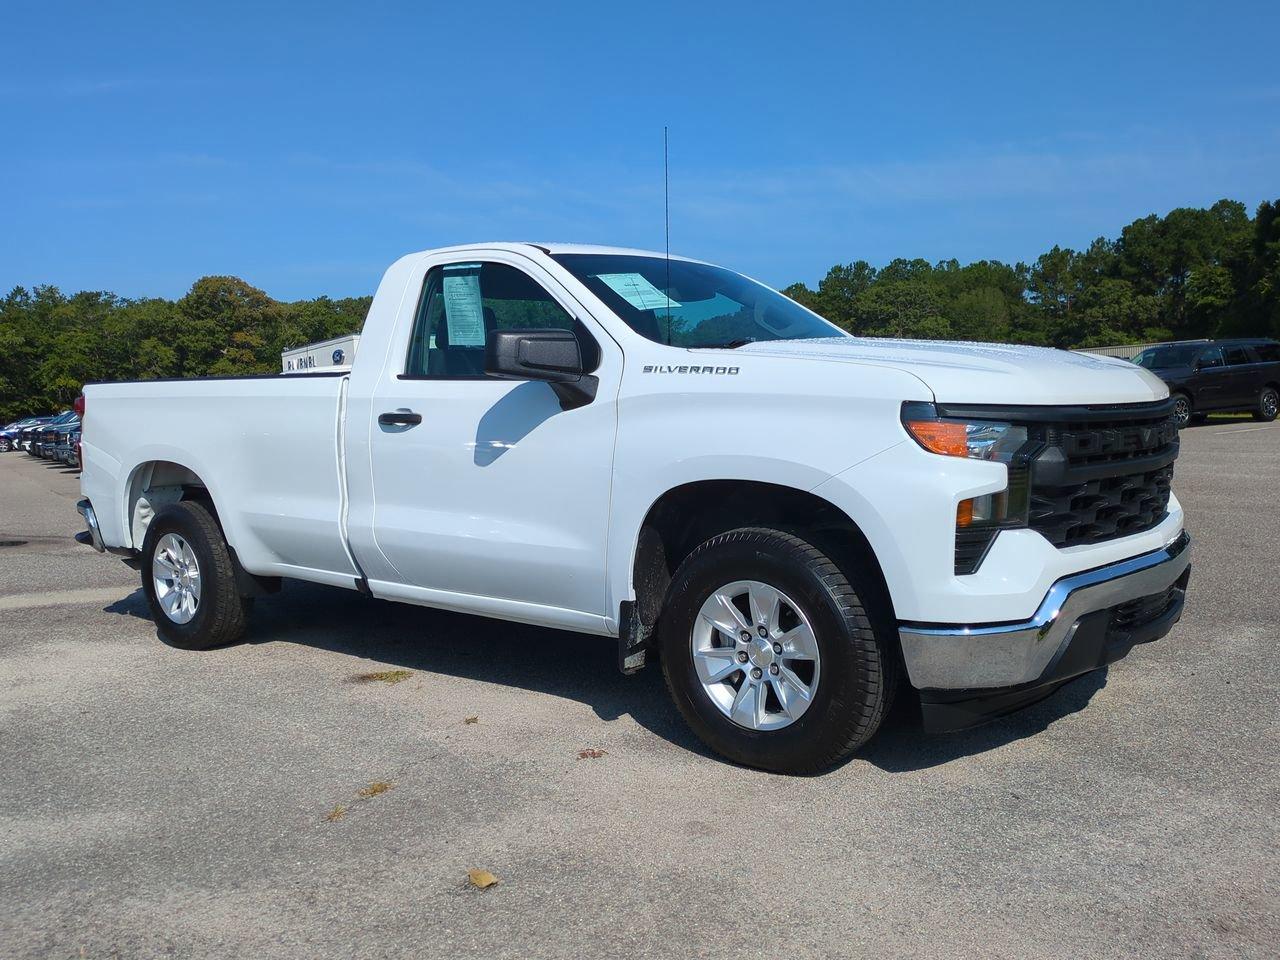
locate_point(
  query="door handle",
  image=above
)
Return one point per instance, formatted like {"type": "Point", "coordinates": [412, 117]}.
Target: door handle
{"type": "Point", "coordinates": [400, 418]}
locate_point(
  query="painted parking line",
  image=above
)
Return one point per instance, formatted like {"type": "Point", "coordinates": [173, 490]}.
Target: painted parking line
{"type": "Point", "coordinates": [57, 598]}
{"type": "Point", "coordinates": [1266, 426]}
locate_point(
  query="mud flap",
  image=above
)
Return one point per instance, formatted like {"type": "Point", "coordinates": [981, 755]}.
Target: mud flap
{"type": "Point", "coordinates": [633, 638]}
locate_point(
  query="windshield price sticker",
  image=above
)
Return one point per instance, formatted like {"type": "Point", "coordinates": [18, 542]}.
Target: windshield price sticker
{"type": "Point", "coordinates": [637, 291]}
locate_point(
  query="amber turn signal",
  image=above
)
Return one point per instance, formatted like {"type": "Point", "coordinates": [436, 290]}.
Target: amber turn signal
{"type": "Point", "coordinates": [947, 437]}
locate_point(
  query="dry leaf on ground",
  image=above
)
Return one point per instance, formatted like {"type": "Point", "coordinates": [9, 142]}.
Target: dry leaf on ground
{"type": "Point", "coordinates": [481, 878]}
{"type": "Point", "coordinates": [591, 753]}
{"type": "Point", "coordinates": [471, 720]}
{"type": "Point", "coordinates": [373, 789]}
{"type": "Point", "coordinates": [383, 676]}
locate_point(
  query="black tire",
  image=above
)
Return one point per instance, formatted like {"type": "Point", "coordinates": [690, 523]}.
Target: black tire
{"type": "Point", "coordinates": [1268, 404]}
{"type": "Point", "coordinates": [858, 667]}
{"type": "Point", "coordinates": [221, 614]}
{"type": "Point", "coordinates": [5, 445]}
{"type": "Point", "coordinates": [1182, 410]}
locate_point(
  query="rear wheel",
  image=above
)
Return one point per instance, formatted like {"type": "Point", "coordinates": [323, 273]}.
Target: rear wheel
{"type": "Point", "coordinates": [189, 579]}
{"type": "Point", "coordinates": [5, 444]}
{"type": "Point", "coordinates": [771, 655]}
{"type": "Point", "coordinates": [1268, 405]}
{"type": "Point", "coordinates": [1181, 409]}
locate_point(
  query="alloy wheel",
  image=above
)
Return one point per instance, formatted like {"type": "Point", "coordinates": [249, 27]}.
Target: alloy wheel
{"type": "Point", "coordinates": [176, 575]}
{"type": "Point", "coordinates": [756, 655]}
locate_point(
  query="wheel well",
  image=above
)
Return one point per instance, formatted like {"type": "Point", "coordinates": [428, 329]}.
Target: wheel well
{"type": "Point", "coordinates": [159, 483]}
{"type": "Point", "coordinates": [689, 515]}
{"type": "Point", "coordinates": [155, 485]}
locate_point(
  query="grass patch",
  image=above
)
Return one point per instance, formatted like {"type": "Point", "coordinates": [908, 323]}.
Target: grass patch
{"type": "Point", "coordinates": [383, 676]}
{"type": "Point", "coordinates": [363, 795]}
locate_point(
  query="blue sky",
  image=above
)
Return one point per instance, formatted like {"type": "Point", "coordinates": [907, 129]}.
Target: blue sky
{"type": "Point", "coordinates": [304, 147]}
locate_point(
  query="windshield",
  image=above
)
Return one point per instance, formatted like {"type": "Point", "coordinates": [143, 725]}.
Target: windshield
{"type": "Point", "coordinates": [701, 306]}
{"type": "Point", "coordinates": [1176, 355]}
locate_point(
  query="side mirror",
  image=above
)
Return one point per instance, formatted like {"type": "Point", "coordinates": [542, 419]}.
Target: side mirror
{"type": "Point", "coordinates": [553, 356]}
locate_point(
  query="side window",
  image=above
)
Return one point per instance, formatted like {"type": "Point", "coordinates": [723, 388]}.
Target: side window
{"type": "Point", "coordinates": [1211, 357]}
{"type": "Point", "coordinates": [462, 303]}
{"type": "Point", "coordinates": [1268, 352]}
{"type": "Point", "coordinates": [1236, 356]}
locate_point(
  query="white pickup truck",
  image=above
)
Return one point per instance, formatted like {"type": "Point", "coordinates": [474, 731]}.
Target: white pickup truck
{"type": "Point", "coordinates": [667, 453]}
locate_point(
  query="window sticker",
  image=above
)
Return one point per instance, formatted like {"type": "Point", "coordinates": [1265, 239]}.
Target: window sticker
{"type": "Point", "coordinates": [637, 291]}
{"type": "Point", "coordinates": [463, 309]}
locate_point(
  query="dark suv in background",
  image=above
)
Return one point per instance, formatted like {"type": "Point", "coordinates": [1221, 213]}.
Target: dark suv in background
{"type": "Point", "coordinates": [1218, 375]}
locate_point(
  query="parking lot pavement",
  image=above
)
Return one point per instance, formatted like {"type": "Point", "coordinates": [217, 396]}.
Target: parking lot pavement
{"type": "Point", "coordinates": [261, 801]}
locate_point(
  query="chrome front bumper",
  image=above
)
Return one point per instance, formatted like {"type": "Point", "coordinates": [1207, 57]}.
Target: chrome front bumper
{"type": "Point", "coordinates": [947, 657]}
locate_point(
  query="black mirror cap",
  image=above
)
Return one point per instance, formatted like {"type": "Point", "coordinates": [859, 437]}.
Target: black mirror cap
{"type": "Point", "coordinates": [552, 355]}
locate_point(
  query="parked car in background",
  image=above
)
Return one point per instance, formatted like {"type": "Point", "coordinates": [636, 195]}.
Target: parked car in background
{"type": "Point", "coordinates": [1220, 375]}
{"type": "Point", "coordinates": [45, 436]}
{"type": "Point", "coordinates": [27, 435]}
{"type": "Point", "coordinates": [64, 449]}
{"type": "Point", "coordinates": [72, 455]}
{"type": "Point", "coordinates": [11, 435]}
{"type": "Point", "coordinates": [62, 440]}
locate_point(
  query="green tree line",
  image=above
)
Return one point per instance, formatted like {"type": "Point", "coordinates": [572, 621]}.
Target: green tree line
{"type": "Point", "coordinates": [1192, 273]}
{"type": "Point", "coordinates": [51, 343]}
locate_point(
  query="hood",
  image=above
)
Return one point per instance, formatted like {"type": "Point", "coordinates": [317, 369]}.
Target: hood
{"type": "Point", "coordinates": [985, 372]}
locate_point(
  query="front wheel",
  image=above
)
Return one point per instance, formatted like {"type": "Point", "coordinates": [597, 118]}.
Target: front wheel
{"type": "Point", "coordinates": [1268, 405]}
{"type": "Point", "coordinates": [771, 655]}
{"type": "Point", "coordinates": [1181, 410]}
{"type": "Point", "coordinates": [189, 579]}
{"type": "Point", "coordinates": [5, 444]}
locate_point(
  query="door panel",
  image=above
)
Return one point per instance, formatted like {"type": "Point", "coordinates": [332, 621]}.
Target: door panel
{"type": "Point", "coordinates": [1210, 380]}
{"type": "Point", "coordinates": [1240, 389]}
{"type": "Point", "coordinates": [496, 492]}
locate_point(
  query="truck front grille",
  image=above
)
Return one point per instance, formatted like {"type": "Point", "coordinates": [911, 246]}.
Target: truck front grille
{"type": "Point", "coordinates": [1101, 479]}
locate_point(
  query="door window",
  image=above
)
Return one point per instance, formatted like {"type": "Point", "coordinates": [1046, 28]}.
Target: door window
{"type": "Point", "coordinates": [1236, 356]}
{"type": "Point", "coordinates": [1211, 357]}
{"type": "Point", "coordinates": [1267, 352]}
{"type": "Point", "coordinates": [463, 303]}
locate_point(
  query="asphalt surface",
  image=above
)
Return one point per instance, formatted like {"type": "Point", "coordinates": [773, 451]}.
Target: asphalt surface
{"type": "Point", "coordinates": [158, 803]}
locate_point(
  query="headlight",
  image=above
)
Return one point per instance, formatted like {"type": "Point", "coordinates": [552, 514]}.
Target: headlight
{"type": "Point", "coordinates": [974, 439]}
{"type": "Point", "coordinates": [978, 519]}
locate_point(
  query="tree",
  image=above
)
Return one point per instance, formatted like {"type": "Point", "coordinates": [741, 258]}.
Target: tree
{"type": "Point", "coordinates": [901, 308]}
{"type": "Point", "coordinates": [980, 314]}
{"type": "Point", "coordinates": [838, 291]}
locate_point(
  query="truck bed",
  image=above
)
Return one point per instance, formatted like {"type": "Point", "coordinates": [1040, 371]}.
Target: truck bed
{"type": "Point", "coordinates": [268, 444]}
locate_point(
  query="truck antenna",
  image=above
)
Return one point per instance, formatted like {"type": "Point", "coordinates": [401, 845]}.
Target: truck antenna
{"type": "Point", "coordinates": [666, 223]}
